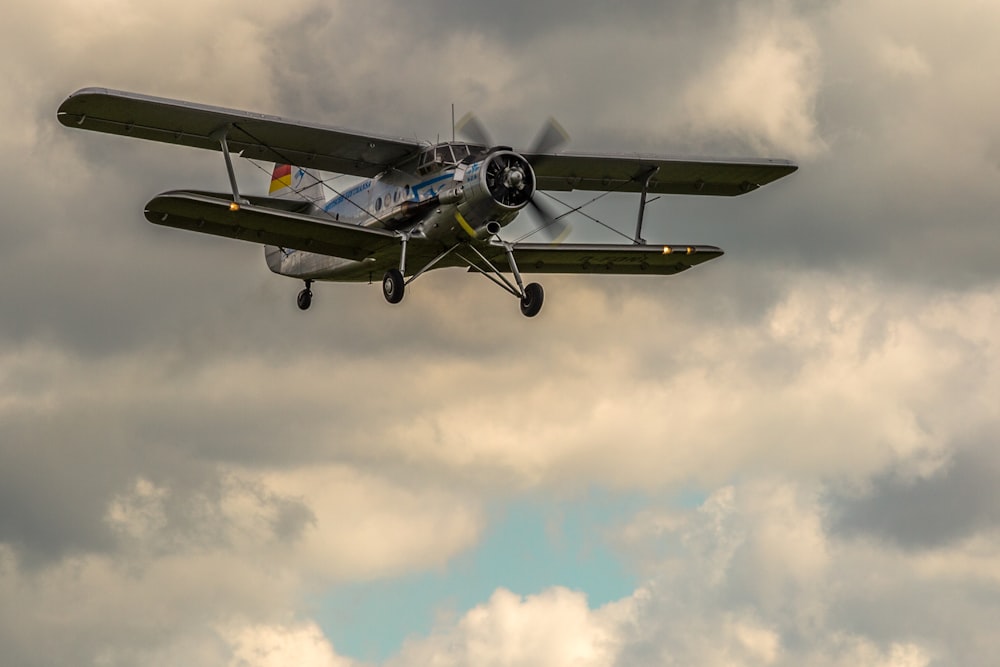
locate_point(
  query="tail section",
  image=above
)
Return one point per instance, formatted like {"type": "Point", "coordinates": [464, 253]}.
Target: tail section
{"type": "Point", "coordinates": [288, 182]}
{"type": "Point", "coordinates": [274, 256]}
{"type": "Point", "coordinates": [298, 184]}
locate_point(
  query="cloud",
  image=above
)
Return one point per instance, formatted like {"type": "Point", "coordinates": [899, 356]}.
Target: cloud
{"type": "Point", "coordinates": [952, 504]}
{"type": "Point", "coordinates": [763, 92]}
{"type": "Point", "coordinates": [725, 589]}
{"type": "Point", "coordinates": [267, 646]}
{"type": "Point", "coordinates": [217, 575]}
{"type": "Point", "coordinates": [185, 458]}
{"type": "Point", "coordinates": [553, 628]}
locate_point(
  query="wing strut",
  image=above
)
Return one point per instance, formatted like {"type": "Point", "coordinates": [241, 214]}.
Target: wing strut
{"type": "Point", "coordinates": [220, 136]}
{"type": "Point", "coordinates": [638, 240]}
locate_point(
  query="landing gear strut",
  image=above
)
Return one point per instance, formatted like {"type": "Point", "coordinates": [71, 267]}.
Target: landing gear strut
{"type": "Point", "coordinates": [305, 297]}
{"type": "Point", "coordinates": [530, 296]}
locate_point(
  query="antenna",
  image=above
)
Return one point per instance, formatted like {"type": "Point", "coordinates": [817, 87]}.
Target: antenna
{"type": "Point", "coordinates": [453, 122]}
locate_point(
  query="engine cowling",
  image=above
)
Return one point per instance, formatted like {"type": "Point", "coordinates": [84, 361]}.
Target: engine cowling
{"type": "Point", "coordinates": [497, 187]}
{"type": "Point", "coordinates": [485, 196]}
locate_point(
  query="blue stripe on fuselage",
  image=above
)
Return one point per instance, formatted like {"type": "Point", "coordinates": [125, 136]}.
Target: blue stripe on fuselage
{"type": "Point", "coordinates": [415, 191]}
{"type": "Point", "coordinates": [356, 190]}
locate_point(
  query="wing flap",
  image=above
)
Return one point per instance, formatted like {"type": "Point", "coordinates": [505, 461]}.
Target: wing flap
{"type": "Point", "coordinates": [259, 222]}
{"type": "Point", "coordinates": [253, 135]}
{"type": "Point", "coordinates": [614, 259]}
{"type": "Point", "coordinates": [627, 173]}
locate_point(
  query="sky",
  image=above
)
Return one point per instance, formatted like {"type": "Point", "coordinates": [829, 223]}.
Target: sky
{"type": "Point", "coordinates": [785, 456]}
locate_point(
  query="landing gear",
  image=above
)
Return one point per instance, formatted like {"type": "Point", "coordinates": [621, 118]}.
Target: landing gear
{"type": "Point", "coordinates": [531, 302]}
{"type": "Point", "coordinates": [305, 297]}
{"type": "Point", "coordinates": [392, 286]}
{"type": "Point", "coordinates": [530, 296]}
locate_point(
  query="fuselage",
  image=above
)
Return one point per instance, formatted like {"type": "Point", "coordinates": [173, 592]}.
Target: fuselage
{"type": "Point", "coordinates": [452, 192]}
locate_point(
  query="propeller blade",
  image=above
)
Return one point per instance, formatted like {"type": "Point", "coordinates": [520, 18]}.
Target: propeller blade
{"type": "Point", "coordinates": [473, 130]}
{"type": "Point", "coordinates": [552, 228]}
{"type": "Point", "coordinates": [550, 138]}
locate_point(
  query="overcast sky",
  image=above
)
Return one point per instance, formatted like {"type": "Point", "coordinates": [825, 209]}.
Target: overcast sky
{"type": "Point", "coordinates": [786, 456]}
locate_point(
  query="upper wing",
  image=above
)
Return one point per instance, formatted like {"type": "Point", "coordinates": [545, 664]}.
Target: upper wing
{"type": "Point", "coordinates": [627, 173]}
{"type": "Point", "coordinates": [605, 258]}
{"type": "Point", "coordinates": [267, 221]}
{"type": "Point", "coordinates": [253, 135]}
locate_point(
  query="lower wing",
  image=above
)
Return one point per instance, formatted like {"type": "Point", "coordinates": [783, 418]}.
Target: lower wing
{"type": "Point", "coordinates": [269, 221]}
{"type": "Point", "coordinates": [266, 221]}
{"type": "Point", "coordinates": [600, 258]}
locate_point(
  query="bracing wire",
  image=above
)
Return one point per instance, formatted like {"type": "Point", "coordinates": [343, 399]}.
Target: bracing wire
{"type": "Point", "coordinates": [325, 182]}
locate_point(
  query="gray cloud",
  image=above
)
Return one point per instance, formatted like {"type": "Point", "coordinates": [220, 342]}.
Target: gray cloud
{"type": "Point", "coordinates": [954, 503]}
{"type": "Point", "coordinates": [169, 421]}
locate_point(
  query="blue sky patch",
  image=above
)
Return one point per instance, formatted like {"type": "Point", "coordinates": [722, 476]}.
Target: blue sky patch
{"type": "Point", "coordinates": [529, 545]}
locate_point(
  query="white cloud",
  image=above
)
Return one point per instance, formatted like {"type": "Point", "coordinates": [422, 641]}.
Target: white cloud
{"type": "Point", "coordinates": [276, 646]}
{"type": "Point", "coordinates": [367, 527]}
{"type": "Point", "coordinates": [763, 91]}
{"type": "Point", "coordinates": [749, 578]}
{"type": "Point", "coordinates": [553, 628]}
{"type": "Point", "coordinates": [176, 451]}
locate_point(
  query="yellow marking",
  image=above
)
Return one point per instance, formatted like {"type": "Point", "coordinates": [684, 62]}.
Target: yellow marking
{"type": "Point", "coordinates": [279, 183]}
{"type": "Point", "coordinates": [465, 224]}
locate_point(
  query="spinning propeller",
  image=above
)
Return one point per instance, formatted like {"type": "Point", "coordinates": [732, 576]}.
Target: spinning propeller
{"type": "Point", "coordinates": [510, 179]}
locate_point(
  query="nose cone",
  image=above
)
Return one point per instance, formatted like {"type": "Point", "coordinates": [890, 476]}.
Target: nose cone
{"type": "Point", "coordinates": [514, 178]}
{"type": "Point", "coordinates": [509, 179]}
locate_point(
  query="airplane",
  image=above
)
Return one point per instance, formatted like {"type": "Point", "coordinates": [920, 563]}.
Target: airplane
{"type": "Point", "coordinates": [418, 206]}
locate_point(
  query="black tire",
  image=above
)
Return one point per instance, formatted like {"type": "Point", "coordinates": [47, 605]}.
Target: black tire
{"type": "Point", "coordinates": [304, 299]}
{"type": "Point", "coordinates": [534, 295]}
{"type": "Point", "coordinates": [392, 286]}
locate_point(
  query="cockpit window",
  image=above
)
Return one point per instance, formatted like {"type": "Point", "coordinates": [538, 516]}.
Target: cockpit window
{"type": "Point", "coordinates": [443, 155]}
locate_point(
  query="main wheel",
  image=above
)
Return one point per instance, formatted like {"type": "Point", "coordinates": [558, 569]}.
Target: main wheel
{"type": "Point", "coordinates": [531, 303]}
{"type": "Point", "coordinates": [304, 299]}
{"type": "Point", "coordinates": [392, 286]}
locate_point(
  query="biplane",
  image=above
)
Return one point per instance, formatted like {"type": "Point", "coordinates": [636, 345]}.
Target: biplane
{"type": "Point", "coordinates": [415, 206]}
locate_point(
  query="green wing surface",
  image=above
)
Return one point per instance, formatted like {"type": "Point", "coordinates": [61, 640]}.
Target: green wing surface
{"type": "Point", "coordinates": [605, 259]}
{"type": "Point", "coordinates": [252, 135]}
{"type": "Point", "coordinates": [667, 175]}
{"type": "Point", "coordinates": [267, 222]}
